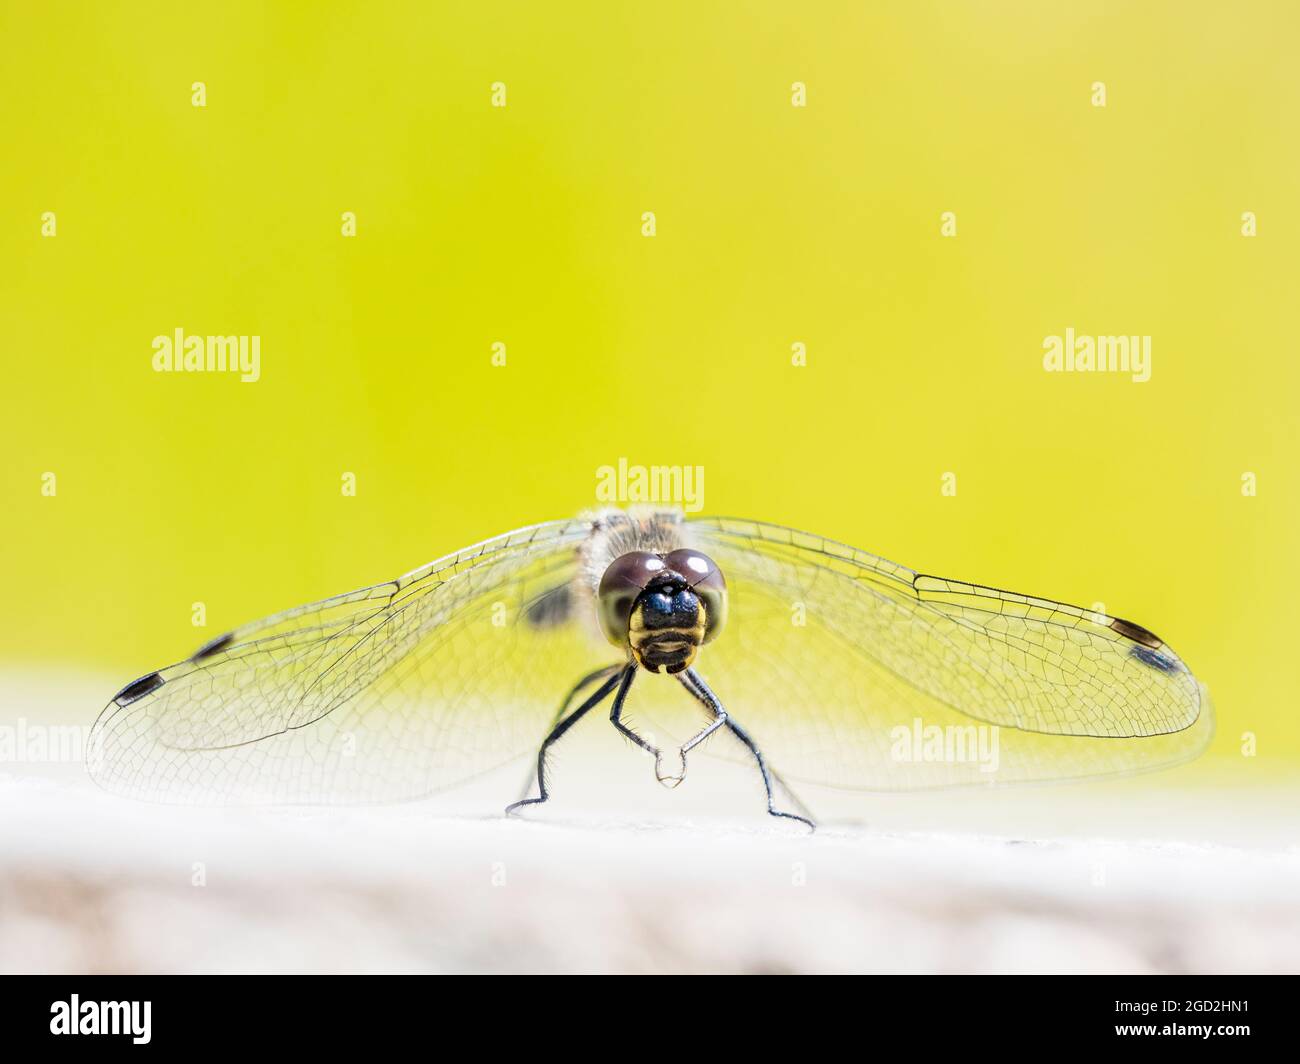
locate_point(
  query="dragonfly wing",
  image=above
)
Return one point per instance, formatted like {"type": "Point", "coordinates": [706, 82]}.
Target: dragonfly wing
{"type": "Point", "coordinates": [854, 672]}
{"type": "Point", "coordinates": [390, 692]}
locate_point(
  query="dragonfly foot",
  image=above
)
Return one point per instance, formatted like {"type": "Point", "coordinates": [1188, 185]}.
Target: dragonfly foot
{"type": "Point", "coordinates": [812, 828]}
{"type": "Point", "coordinates": [513, 806]}
{"type": "Point", "coordinates": [663, 777]}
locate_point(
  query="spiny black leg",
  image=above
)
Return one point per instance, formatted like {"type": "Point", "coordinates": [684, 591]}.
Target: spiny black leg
{"type": "Point", "coordinates": [616, 719]}
{"type": "Point", "coordinates": [744, 737]}
{"type": "Point", "coordinates": [616, 712]}
{"type": "Point", "coordinates": [586, 681]}
{"type": "Point", "coordinates": [696, 685]}
{"type": "Point", "coordinates": [804, 811]}
{"type": "Point", "coordinates": [563, 726]}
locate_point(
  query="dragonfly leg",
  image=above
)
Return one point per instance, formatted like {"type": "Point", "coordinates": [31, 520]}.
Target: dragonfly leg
{"type": "Point", "coordinates": [694, 683]}
{"type": "Point", "coordinates": [564, 724]}
{"type": "Point", "coordinates": [695, 686]}
{"type": "Point", "coordinates": [616, 719]}
{"type": "Point", "coordinates": [586, 681]}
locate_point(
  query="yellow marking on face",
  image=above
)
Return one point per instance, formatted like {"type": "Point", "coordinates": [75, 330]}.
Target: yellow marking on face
{"type": "Point", "coordinates": [665, 641]}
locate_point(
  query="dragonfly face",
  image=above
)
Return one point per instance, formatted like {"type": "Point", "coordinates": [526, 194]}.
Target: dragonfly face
{"type": "Point", "coordinates": [662, 607]}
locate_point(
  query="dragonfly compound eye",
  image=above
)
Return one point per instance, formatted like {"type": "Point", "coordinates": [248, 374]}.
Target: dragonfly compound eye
{"type": "Point", "coordinates": [624, 581]}
{"type": "Point", "coordinates": [704, 578]}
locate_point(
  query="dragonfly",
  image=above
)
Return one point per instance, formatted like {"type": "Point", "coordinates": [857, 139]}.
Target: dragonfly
{"type": "Point", "coordinates": [810, 658]}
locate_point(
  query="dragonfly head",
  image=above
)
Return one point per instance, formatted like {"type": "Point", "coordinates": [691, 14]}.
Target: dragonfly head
{"type": "Point", "coordinates": [662, 607]}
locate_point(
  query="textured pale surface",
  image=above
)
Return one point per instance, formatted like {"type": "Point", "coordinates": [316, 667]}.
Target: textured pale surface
{"type": "Point", "coordinates": [89, 883]}
{"type": "Point", "coordinates": [1194, 870]}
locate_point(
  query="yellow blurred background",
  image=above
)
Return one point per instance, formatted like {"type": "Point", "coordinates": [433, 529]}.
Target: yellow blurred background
{"type": "Point", "coordinates": [774, 225]}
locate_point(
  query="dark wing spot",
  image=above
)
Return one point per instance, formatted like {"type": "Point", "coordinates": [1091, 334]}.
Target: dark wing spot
{"type": "Point", "coordinates": [213, 646]}
{"type": "Point", "coordinates": [1136, 632]}
{"type": "Point", "coordinates": [1156, 661]}
{"type": "Point", "coordinates": [550, 609]}
{"type": "Point", "coordinates": [137, 689]}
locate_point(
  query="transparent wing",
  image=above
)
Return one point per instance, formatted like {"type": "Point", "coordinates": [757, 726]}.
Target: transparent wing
{"type": "Point", "coordinates": [390, 692]}
{"type": "Point", "coordinates": [854, 672]}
